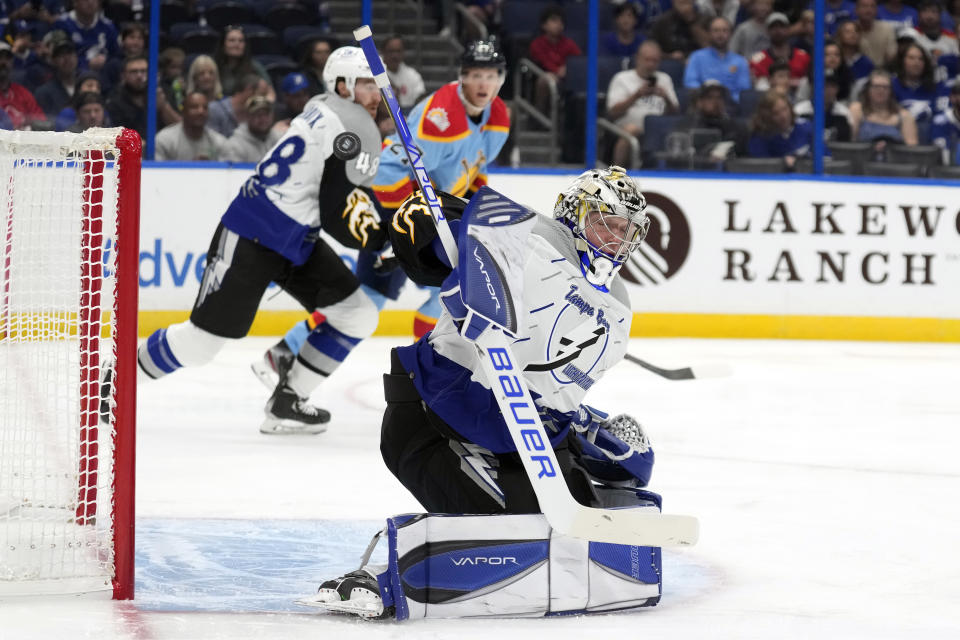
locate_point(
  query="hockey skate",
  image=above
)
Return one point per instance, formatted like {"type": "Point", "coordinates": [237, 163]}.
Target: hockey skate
{"type": "Point", "coordinates": [357, 593]}
{"type": "Point", "coordinates": [287, 413]}
{"type": "Point", "coordinates": [274, 365]}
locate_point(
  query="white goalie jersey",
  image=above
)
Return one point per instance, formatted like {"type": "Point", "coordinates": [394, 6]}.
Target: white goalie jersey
{"type": "Point", "coordinates": [571, 333]}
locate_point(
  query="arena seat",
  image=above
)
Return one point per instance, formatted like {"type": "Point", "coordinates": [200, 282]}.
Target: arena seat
{"type": "Point", "coordinates": [754, 165]}
{"type": "Point", "coordinates": [262, 40]}
{"type": "Point", "coordinates": [926, 156]}
{"type": "Point", "coordinates": [172, 12]}
{"type": "Point", "coordinates": [296, 37]}
{"type": "Point", "coordinates": [277, 66]}
{"type": "Point", "coordinates": [945, 173]}
{"type": "Point", "coordinates": [522, 18]}
{"type": "Point", "coordinates": [577, 13]}
{"type": "Point", "coordinates": [858, 153]}
{"type": "Point", "coordinates": [223, 13]}
{"type": "Point", "coordinates": [749, 98]}
{"type": "Point", "coordinates": [673, 68]}
{"type": "Point", "coordinates": [577, 73]}
{"type": "Point", "coordinates": [194, 38]}
{"type": "Point", "coordinates": [831, 167]}
{"type": "Point", "coordinates": [280, 15]}
{"type": "Point", "coordinates": [655, 132]}
{"type": "Point", "coordinates": [892, 170]}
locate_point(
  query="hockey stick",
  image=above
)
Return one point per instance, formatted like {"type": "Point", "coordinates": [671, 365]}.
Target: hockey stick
{"type": "Point", "coordinates": [566, 515]}
{"type": "Point", "coordinates": [687, 373]}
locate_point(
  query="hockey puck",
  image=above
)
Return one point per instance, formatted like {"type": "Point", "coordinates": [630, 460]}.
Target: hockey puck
{"type": "Point", "coordinates": [346, 146]}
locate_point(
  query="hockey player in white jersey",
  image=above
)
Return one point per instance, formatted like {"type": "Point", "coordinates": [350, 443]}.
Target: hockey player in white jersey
{"type": "Point", "coordinates": [317, 175]}
{"type": "Point", "coordinates": [444, 438]}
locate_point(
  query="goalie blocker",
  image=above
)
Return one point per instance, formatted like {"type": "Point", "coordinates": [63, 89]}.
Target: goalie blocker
{"type": "Point", "coordinates": [442, 566]}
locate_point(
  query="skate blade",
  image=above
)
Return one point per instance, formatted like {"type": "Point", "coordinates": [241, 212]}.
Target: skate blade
{"type": "Point", "coordinates": [267, 376]}
{"type": "Point", "coordinates": [276, 427]}
{"type": "Point", "coordinates": [367, 609]}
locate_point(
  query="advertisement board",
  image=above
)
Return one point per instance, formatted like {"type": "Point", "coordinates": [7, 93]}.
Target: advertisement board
{"type": "Point", "coordinates": [724, 257]}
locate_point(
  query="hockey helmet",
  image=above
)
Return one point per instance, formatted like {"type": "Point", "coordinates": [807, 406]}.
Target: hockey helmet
{"type": "Point", "coordinates": [347, 64]}
{"type": "Point", "coordinates": [605, 211]}
{"type": "Point", "coordinates": [483, 54]}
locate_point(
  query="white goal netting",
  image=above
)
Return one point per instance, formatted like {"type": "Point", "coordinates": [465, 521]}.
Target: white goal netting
{"type": "Point", "coordinates": [57, 327]}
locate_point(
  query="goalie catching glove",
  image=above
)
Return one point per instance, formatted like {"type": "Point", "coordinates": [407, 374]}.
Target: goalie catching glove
{"type": "Point", "coordinates": [614, 451]}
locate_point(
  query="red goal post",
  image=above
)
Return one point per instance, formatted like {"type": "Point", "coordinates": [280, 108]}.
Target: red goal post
{"type": "Point", "coordinates": [68, 339]}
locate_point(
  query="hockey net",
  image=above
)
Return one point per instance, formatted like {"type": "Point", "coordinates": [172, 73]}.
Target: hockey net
{"type": "Point", "coordinates": [68, 330]}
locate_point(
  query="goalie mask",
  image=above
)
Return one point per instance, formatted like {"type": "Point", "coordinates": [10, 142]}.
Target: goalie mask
{"type": "Point", "coordinates": [605, 211]}
{"type": "Point", "coordinates": [347, 64]}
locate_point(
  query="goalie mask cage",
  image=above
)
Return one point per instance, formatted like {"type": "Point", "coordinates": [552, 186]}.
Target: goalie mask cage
{"type": "Point", "coordinates": [68, 333]}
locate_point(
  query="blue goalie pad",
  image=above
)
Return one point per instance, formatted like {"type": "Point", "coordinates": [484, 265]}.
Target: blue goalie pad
{"type": "Point", "coordinates": [457, 566]}
{"type": "Point", "coordinates": [492, 241]}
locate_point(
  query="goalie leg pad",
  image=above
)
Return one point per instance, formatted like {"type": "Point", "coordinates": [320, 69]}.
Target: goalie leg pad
{"type": "Point", "coordinates": [447, 566]}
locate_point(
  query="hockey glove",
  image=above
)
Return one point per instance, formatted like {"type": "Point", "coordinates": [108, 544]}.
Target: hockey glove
{"type": "Point", "coordinates": [616, 451]}
{"type": "Point", "coordinates": [470, 327]}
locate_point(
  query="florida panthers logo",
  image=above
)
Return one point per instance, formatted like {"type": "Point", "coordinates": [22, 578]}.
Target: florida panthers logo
{"type": "Point", "coordinates": [361, 216]}
{"type": "Point", "coordinates": [577, 342]}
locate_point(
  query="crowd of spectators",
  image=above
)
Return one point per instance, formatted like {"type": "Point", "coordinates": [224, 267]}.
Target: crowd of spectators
{"type": "Point", "coordinates": [67, 66]}
{"type": "Point", "coordinates": [890, 72]}
{"type": "Point", "coordinates": [731, 68]}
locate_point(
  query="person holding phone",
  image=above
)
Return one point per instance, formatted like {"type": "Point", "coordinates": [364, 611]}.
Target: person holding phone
{"type": "Point", "coordinates": [636, 93]}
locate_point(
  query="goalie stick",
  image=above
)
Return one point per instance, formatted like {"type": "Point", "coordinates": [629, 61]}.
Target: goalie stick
{"type": "Point", "coordinates": [566, 515]}
{"type": "Point", "coordinates": [686, 373]}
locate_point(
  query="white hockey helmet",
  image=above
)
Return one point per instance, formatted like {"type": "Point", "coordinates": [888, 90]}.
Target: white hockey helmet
{"type": "Point", "coordinates": [348, 64]}
{"type": "Point", "coordinates": [605, 210]}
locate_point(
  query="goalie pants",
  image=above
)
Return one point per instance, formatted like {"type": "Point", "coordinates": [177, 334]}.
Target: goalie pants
{"type": "Point", "coordinates": [446, 474]}
{"type": "Point", "coordinates": [239, 271]}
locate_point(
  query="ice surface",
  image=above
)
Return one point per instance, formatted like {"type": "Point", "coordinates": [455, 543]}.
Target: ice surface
{"type": "Point", "coordinates": [825, 476]}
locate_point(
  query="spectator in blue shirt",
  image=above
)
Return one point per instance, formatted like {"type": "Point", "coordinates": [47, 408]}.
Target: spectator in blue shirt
{"type": "Point", "coordinates": [716, 62]}
{"type": "Point", "coordinates": [649, 10]}
{"type": "Point", "coordinates": [624, 40]}
{"type": "Point", "coordinates": [38, 13]}
{"type": "Point", "coordinates": [945, 129]}
{"type": "Point", "coordinates": [94, 35]}
{"type": "Point", "coordinates": [895, 12]}
{"type": "Point", "coordinates": [777, 134]}
{"type": "Point", "coordinates": [848, 37]}
{"type": "Point", "coordinates": [914, 84]}
{"type": "Point", "coordinates": [836, 12]}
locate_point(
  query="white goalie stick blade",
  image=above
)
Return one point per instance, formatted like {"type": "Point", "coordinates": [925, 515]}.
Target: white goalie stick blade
{"type": "Point", "coordinates": [366, 605]}
{"type": "Point", "coordinates": [566, 515]}
{"type": "Point", "coordinates": [277, 427]}
{"type": "Point", "coordinates": [631, 526]}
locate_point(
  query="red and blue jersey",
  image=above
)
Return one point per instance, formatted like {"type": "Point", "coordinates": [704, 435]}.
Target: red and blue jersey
{"type": "Point", "coordinates": [456, 150]}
